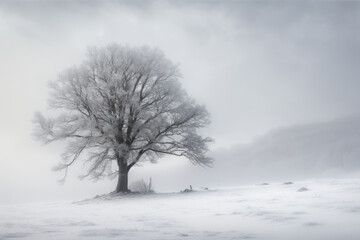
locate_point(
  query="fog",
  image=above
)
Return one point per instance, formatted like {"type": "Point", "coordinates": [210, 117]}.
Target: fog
{"type": "Point", "coordinates": [289, 154]}
{"type": "Point", "coordinates": [256, 65]}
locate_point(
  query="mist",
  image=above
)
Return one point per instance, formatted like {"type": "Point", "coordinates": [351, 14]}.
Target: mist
{"type": "Point", "coordinates": [256, 66]}
{"type": "Point", "coordinates": [312, 151]}
{"type": "Point", "coordinates": [280, 80]}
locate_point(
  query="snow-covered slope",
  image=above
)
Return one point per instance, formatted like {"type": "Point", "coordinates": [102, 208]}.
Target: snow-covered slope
{"type": "Point", "coordinates": [322, 210]}
{"type": "Point", "coordinates": [313, 150]}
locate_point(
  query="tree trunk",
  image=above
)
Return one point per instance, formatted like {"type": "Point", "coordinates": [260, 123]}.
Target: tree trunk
{"type": "Point", "coordinates": [122, 184]}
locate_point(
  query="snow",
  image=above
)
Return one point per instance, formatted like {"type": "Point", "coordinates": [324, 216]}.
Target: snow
{"type": "Point", "coordinates": [329, 209]}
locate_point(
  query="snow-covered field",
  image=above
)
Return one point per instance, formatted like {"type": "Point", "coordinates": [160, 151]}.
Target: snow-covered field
{"type": "Point", "coordinates": [324, 209]}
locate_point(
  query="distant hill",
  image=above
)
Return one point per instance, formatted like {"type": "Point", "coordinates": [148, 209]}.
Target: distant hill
{"type": "Point", "coordinates": [312, 150]}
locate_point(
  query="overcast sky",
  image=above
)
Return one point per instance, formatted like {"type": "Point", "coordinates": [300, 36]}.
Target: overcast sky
{"type": "Point", "coordinates": [256, 65]}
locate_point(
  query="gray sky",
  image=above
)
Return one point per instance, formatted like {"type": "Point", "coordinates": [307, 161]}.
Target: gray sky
{"type": "Point", "coordinates": [255, 65]}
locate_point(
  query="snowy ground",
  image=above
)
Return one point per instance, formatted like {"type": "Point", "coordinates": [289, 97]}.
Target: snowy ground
{"type": "Point", "coordinates": [329, 209]}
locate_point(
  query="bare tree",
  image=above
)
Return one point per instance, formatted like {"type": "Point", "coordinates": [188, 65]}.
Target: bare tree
{"type": "Point", "coordinates": [123, 105]}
